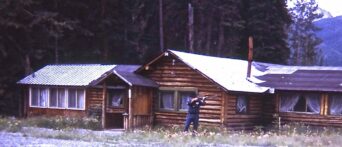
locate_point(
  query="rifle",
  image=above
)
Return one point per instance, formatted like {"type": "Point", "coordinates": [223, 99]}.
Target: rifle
{"type": "Point", "coordinates": [206, 96]}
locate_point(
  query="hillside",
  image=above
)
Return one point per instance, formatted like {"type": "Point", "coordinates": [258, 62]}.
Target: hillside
{"type": "Point", "coordinates": [331, 34]}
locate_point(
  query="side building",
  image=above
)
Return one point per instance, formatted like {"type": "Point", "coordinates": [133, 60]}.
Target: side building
{"type": "Point", "coordinates": [121, 98]}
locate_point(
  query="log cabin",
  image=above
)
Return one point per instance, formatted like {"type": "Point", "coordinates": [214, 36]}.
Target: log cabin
{"type": "Point", "coordinates": [239, 102]}
{"type": "Point", "coordinates": [306, 94]}
{"type": "Point", "coordinates": [245, 94]}
{"type": "Point", "coordinates": [114, 93]}
{"type": "Point", "coordinates": [248, 93]}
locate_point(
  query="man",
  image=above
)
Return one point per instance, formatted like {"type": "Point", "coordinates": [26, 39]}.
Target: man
{"type": "Point", "coordinates": [193, 111]}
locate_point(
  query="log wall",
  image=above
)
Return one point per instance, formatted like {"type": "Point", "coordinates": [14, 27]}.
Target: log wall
{"type": "Point", "coordinates": [176, 74]}
{"type": "Point", "coordinates": [93, 100]}
{"type": "Point", "coordinates": [257, 112]}
{"type": "Point", "coordinates": [322, 119]}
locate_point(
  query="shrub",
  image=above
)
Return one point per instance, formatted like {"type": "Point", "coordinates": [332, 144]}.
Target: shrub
{"type": "Point", "coordinates": [10, 124]}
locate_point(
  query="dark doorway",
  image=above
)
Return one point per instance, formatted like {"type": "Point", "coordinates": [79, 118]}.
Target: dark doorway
{"type": "Point", "coordinates": [114, 121]}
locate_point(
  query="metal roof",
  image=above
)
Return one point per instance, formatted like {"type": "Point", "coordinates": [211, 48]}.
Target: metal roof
{"type": "Point", "coordinates": [231, 74]}
{"type": "Point", "coordinates": [67, 75]}
{"type": "Point", "coordinates": [85, 75]}
{"type": "Point", "coordinates": [302, 78]}
{"type": "Point", "coordinates": [126, 73]}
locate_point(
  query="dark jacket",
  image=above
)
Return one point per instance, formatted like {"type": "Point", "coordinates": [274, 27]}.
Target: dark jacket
{"type": "Point", "coordinates": [194, 106]}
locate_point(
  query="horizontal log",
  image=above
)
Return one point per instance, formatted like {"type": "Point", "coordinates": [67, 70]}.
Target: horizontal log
{"type": "Point", "coordinates": [242, 116]}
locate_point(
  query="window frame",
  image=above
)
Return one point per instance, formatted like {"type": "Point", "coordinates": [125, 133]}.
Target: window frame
{"type": "Point", "coordinates": [66, 92]}
{"type": "Point", "coordinates": [123, 99]}
{"type": "Point", "coordinates": [301, 96]}
{"type": "Point", "coordinates": [247, 104]}
{"type": "Point", "coordinates": [329, 103]}
{"type": "Point", "coordinates": [176, 97]}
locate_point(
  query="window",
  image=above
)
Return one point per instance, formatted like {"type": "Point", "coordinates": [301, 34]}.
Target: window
{"type": "Point", "coordinates": [241, 104]}
{"type": "Point", "coordinates": [175, 99]}
{"type": "Point", "coordinates": [335, 106]}
{"type": "Point", "coordinates": [300, 103]}
{"type": "Point", "coordinates": [76, 98]}
{"type": "Point", "coordinates": [39, 97]}
{"type": "Point", "coordinates": [57, 98]}
{"type": "Point", "coordinates": [184, 96]}
{"type": "Point", "coordinates": [34, 97]}
{"type": "Point", "coordinates": [53, 97]}
{"type": "Point", "coordinates": [167, 100]}
{"type": "Point", "coordinates": [116, 97]}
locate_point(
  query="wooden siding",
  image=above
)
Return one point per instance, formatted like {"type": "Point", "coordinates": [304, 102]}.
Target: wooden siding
{"type": "Point", "coordinates": [176, 74]}
{"type": "Point", "coordinates": [93, 102]}
{"type": "Point", "coordinates": [321, 119]}
{"type": "Point", "coordinates": [94, 98]}
{"type": "Point", "coordinates": [311, 119]}
{"type": "Point", "coordinates": [255, 116]}
{"type": "Point", "coordinates": [55, 112]}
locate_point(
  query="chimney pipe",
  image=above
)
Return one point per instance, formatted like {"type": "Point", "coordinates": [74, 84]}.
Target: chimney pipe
{"type": "Point", "coordinates": [250, 56]}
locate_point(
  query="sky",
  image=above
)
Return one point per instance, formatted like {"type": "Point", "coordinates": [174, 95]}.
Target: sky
{"type": "Point", "coordinates": [333, 6]}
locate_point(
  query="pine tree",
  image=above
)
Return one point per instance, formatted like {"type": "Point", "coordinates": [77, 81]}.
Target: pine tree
{"type": "Point", "coordinates": [267, 22]}
{"type": "Point", "coordinates": [302, 39]}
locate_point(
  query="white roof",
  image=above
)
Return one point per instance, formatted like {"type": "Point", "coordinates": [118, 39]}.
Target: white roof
{"type": "Point", "coordinates": [229, 73]}
{"type": "Point", "coordinates": [67, 75]}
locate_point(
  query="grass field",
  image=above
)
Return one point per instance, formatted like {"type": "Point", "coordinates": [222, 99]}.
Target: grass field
{"type": "Point", "coordinates": [287, 135]}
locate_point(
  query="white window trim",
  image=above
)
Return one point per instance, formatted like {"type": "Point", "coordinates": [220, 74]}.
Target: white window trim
{"type": "Point", "coordinates": [84, 99]}
{"type": "Point", "coordinates": [66, 102]}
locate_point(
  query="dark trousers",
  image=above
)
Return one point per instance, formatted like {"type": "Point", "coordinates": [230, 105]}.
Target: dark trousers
{"type": "Point", "coordinates": [191, 118]}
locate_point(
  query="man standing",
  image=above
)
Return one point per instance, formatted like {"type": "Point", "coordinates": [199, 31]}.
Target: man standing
{"type": "Point", "coordinates": [193, 111]}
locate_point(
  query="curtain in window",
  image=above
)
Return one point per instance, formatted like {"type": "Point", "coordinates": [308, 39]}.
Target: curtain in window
{"type": "Point", "coordinates": [34, 96]}
{"type": "Point", "coordinates": [241, 105]}
{"type": "Point", "coordinates": [80, 98]}
{"type": "Point", "coordinates": [313, 102]}
{"type": "Point", "coordinates": [166, 100]}
{"type": "Point", "coordinates": [72, 98]}
{"type": "Point", "coordinates": [43, 97]}
{"type": "Point", "coordinates": [53, 97]}
{"type": "Point", "coordinates": [184, 97]}
{"type": "Point", "coordinates": [116, 97]}
{"type": "Point", "coordinates": [287, 102]}
{"type": "Point", "coordinates": [61, 98]}
{"type": "Point", "coordinates": [335, 104]}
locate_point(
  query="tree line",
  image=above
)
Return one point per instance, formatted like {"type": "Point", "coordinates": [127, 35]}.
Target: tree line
{"type": "Point", "coordinates": [34, 33]}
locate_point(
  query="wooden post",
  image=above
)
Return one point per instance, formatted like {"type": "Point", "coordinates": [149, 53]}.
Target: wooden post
{"type": "Point", "coordinates": [326, 104]}
{"type": "Point", "coordinates": [104, 93]}
{"type": "Point", "coordinates": [130, 109]}
{"type": "Point", "coordinates": [223, 106]}
{"type": "Point", "coordinates": [277, 103]}
{"type": "Point", "coordinates": [250, 56]}
{"type": "Point", "coordinates": [322, 102]}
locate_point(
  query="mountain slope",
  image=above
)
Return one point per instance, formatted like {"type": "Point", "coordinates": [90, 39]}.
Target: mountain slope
{"type": "Point", "coordinates": [331, 34]}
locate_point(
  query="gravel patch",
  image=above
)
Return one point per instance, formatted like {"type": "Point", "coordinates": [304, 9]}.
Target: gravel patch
{"type": "Point", "coordinates": [18, 139]}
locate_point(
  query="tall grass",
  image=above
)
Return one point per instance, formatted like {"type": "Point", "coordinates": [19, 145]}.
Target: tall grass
{"type": "Point", "coordinates": [295, 134]}
{"type": "Point", "coordinates": [13, 124]}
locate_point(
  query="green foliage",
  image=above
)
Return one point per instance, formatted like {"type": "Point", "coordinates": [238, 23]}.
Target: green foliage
{"type": "Point", "coordinates": [294, 134]}
{"type": "Point", "coordinates": [267, 21]}
{"type": "Point", "coordinates": [34, 33]}
{"type": "Point", "coordinates": [302, 36]}
{"type": "Point", "coordinates": [57, 123]}
{"type": "Point", "coordinates": [10, 124]}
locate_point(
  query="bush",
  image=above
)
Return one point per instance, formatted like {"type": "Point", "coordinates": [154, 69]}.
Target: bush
{"type": "Point", "coordinates": [10, 124]}
{"type": "Point", "coordinates": [61, 122]}
{"type": "Point", "coordinates": [13, 124]}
